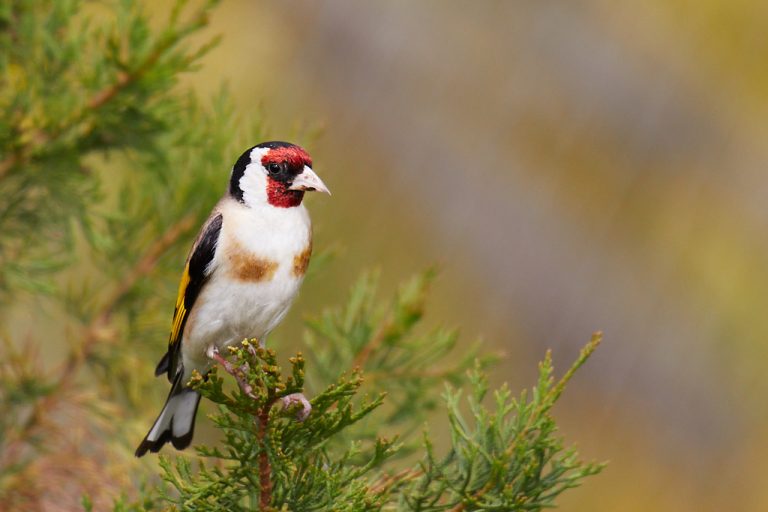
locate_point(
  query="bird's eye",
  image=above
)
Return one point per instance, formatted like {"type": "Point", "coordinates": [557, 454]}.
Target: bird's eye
{"type": "Point", "coordinates": [274, 168]}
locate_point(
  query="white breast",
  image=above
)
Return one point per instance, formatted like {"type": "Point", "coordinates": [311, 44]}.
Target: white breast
{"type": "Point", "coordinates": [252, 281]}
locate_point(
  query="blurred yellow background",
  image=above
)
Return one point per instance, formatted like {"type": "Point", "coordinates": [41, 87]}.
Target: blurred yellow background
{"type": "Point", "coordinates": [571, 166]}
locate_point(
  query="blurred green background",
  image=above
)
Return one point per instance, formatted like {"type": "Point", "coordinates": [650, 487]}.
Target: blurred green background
{"type": "Point", "coordinates": [569, 166]}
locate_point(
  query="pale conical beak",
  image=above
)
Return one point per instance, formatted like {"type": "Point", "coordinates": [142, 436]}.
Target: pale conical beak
{"type": "Point", "coordinates": [309, 181]}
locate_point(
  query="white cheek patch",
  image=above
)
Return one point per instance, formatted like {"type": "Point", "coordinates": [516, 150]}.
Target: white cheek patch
{"type": "Point", "coordinates": [254, 185]}
{"type": "Point", "coordinates": [254, 180]}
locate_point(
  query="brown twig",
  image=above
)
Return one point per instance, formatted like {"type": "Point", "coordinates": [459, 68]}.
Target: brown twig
{"type": "Point", "coordinates": [265, 468]}
{"type": "Point", "coordinates": [262, 417]}
{"type": "Point", "coordinates": [262, 420]}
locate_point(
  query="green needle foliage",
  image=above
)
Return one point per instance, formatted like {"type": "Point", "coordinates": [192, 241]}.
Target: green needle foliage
{"type": "Point", "coordinates": [506, 456]}
{"type": "Point", "coordinates": [383, 340]}
{"type": "Point", "coordinates": [106, 168]}
{"type": "Point", "coordinates": [71, 88]}
{"type": "Point", "coordinates": [274, 459]}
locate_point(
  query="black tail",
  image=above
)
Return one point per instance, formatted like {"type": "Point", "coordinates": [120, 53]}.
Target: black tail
{"type": "Point", "coordinates": [176, 422]}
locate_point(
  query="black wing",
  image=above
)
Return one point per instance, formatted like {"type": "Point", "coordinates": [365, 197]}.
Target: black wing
{"type": "Point", "coordinates": [195, 275]}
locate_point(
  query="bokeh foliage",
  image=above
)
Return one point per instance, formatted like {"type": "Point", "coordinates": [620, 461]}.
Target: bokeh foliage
{"type": "Point", "coordinates": [106, 168]}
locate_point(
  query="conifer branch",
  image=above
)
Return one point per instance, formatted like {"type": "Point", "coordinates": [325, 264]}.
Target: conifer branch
{"type": "Point", "coordinates": [22, 153]}
{"type": "Point", "coordinates": [265, 468]}
{"type": "Point", "coordinates": [502, 458]}
{"type": "Point", "coordinates": [166, 43]}
{"type": "Point", "coordinates": [95, 332]}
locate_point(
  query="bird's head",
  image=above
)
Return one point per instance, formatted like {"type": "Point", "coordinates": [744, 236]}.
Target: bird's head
{"type": "Point", "coordinates": [274, 173]}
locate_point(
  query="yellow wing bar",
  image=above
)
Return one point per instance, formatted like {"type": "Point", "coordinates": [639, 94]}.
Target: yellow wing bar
{"type": "Point", "coordinates": [181, 311]}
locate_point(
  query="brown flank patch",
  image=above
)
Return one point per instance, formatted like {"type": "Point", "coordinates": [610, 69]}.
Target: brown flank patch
{"type": "Point", "coordinates": [247, 267]}
{"type": "Point", "coordinates": [301, 261]}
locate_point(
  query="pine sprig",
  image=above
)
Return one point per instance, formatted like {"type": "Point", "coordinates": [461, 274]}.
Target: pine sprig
{"type": "Point", "coordinates": [506, 455]}
{"type": "Point", "coordinates": [303, 475]}
{"type": "Point", "coordinates": [74, 89]}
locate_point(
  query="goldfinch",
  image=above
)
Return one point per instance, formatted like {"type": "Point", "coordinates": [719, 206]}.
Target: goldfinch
{"type": "Point", "coordinates": [241, 276]}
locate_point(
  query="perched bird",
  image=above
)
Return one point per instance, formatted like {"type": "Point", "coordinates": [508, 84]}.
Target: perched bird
{"type": "Point", "coordinates": [242, 274]}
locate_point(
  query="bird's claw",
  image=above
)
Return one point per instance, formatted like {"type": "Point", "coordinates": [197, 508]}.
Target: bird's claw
{"type": "Point", "coordinates": [298, 398]}
{"type": "Point", "coordinates": [238, 373]}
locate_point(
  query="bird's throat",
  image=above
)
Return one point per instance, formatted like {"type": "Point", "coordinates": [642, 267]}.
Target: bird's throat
{"type": "Point", "coordinates": [278, 194]}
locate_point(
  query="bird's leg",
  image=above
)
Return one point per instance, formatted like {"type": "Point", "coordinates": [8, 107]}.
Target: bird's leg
{"type": "Point", "coordinates": [298, 398]}
{"type": "Point", "coordinates": [213, 353]}
{"type": "Point", "coordinates": [237, 373]}
{"type": "Point", "coordinates": [252, 350]}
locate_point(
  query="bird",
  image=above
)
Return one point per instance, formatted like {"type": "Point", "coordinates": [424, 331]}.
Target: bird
{"type": "Point", "coordinates": [241, 276]}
